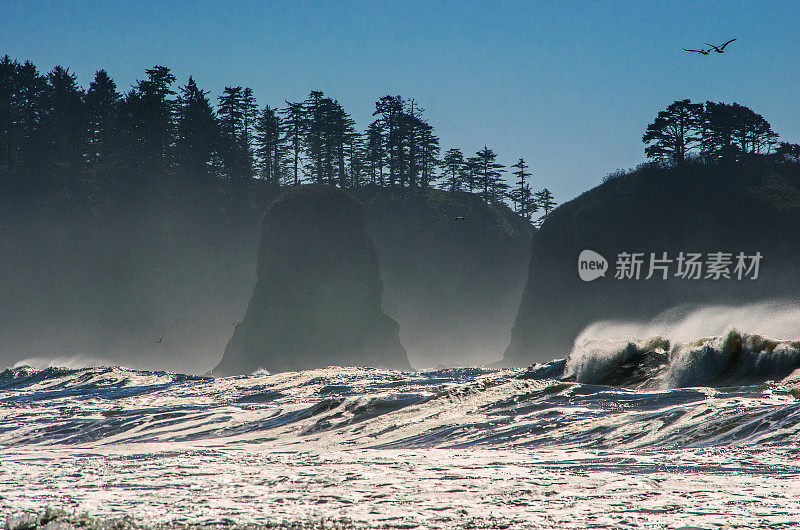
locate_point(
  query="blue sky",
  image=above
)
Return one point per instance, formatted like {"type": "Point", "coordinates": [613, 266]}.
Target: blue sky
{"type": "Point", "coordinates": [570, 86]}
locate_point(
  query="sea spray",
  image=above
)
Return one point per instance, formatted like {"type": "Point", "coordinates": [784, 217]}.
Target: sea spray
{"type": "Point", "coordinates": [732, 358]}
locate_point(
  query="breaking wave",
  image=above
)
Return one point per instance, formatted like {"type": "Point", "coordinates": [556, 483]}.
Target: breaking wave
{"type": "Point", "coordinates": [728, 360]}
{"type": "Point", "coordinates": [729, 389]}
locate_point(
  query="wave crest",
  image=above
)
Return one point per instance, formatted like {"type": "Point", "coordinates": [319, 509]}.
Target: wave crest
{"type": "Point", "coordinates": [731, 359]}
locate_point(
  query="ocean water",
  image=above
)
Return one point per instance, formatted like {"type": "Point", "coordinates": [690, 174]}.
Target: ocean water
{"type": "Point", "coordinates": [643, 434]}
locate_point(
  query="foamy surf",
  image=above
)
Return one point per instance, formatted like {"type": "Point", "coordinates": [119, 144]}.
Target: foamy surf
{"type": "Point", "coordinates": [361, 447]}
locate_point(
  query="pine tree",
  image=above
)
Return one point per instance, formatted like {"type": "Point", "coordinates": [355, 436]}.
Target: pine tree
{"type": "Point", "coordinates": [490, 175]}
{"type": "Point", "coordinates": [733, 131]}
{"type": "Point", "coordinates": [453, 163]}
{"type": "Point", "coordinates": [294, 130]}
{"type": "Point", "coordinates": [232, 148]}
{"type": "Point", "coordinates": [521, 193]}
{"type": "Point", "coordinates": [531, 204]}
{"type": "Point", "coordinates": [197, 132]}
{"type": "Point", "coordinates": [23, 104]}
{"type": "Point", "coordinates": [149, 117]}
{"type": "Point", "coordinates": [314, 110]}
{"type": "Point", "coordinates": [249, 113]}
{"type": "Point", "coordinates": [674, 132]}
{"type": "Point", "coordinates": [392, 117]}
{"type": "Point", "coordinates": [375, 153]}
{"type": "Point", "coordinates": [104, 137]}
{"type": "Point", "coordinates": [472, 167]}
{"type": "Point", "coordinates": [269, 145]}
{"type": "Point", "coordinates": [428, 156]}
{"type": "Point", "coordinates": [545, 201]}
{"type": "Point", "coordinates": [64, 127]}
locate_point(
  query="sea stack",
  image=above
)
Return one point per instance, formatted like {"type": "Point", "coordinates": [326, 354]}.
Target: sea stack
{"type": "Point", "coordinates": [716, 212]}
{"type": "Point", "coordinates": [318, 294]}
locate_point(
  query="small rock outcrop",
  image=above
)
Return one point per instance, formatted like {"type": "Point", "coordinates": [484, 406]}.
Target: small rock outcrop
{"type": "Point", "coordinates": [318, 294]}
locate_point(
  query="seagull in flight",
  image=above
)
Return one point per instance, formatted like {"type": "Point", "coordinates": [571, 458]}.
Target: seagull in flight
{"type": "Point", "coordinates": [704, 52]}
{"type": "Point", "coordinates": [720, 49]}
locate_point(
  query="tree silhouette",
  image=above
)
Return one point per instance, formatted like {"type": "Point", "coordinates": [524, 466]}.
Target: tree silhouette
{"type": "Point", "coordinates": [197, 132]}
{"type": "Point", "coordinates": [472, 166]}
{"type": "Point", "coordinates": [520, 195]}
{"type": "Point", "coordinates": [294, 130]}
{"type": "Point", "coordinates": [489, 173]}
{"type": "Point", "coordinates": [64, 130]}
{"type": "Point", "coordinates": [724, 132]}
{"type": "Point", "coordinates": [453, 163]}
{"type": "Point", "coordinates": [269, 145]}
{"type": "Point", "coordinates": [59, 141]}
{"type": "Point", "coordinates": [428, 156]}
{"type": "Point", "coordinates": [674, 132]}
{"type": "Point", "coordinates": [375, 151]}
{"type": "Point", "coordinates": [150, 112]}
{"type": "Point", "coordinates": [390, 110]}
{"type": "Point", "coordinates": [545, 201]}
{"type": "Point", "coordinates": [788, 152]}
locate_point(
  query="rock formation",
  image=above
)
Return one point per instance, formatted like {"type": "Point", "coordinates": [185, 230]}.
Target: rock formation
{"type": "Point", "coordinates": [750, 207]}
{"type": "Point", "coordinates": [318, 293]}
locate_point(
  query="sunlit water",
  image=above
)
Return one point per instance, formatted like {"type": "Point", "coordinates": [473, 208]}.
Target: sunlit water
{"type": "Point", "coordinates": [368, 447]}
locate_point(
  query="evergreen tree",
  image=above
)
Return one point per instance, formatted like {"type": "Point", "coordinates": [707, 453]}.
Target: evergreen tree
{"type": "Point", "coordinates": [314, 114]}
{"type": "Point", "coordinates": [392, 119]}
{"type": "Point", "coordinates": [531, 203]}
{"type": "Point", "coordinates": [198, 132]}
{"type": "Point", "coordinates": [428, 156]}
{"type": "Point", "coordinates": [356, 160]}
{"type": "Point", "coordinates": [237, 111]}
{"type": "Point", "coordinates": [235, 152]}
{"type": "Point", "coordinates": [375, 153]}
{"type": "Point", "coordinates": [269, 145]}
{"type": "Point", "coordinates": [342, 140]}
{"type": "Point", "coordinates": [788, 152]}
{"type": "Point", "coordinates": [545, 201]}
{"type": "Point", "coordinates": [249, 113]}
{"type": "Point", "coordinates": [472, 167]}
{"type": "Point", "coordinates": [735, 131]}
{"type": "Point", "coordinates": [23, 93]}
{"type": "Point", "coordinates": [104, 139]}
{"type": "Point", "coordinates": [453, 163]}
{"type": "Point", "coordinates": [490, 175]}
{"type": "Point", "coordinates": [64, 129]}
{"type": "Point", "coordinates": [674, 132]}
{"type": "Point", "coordinates": [294, 130]}
{"type": "Point", "coordinates": [520, 196]}
{"type": "Point", "coordinates": [149, 112]}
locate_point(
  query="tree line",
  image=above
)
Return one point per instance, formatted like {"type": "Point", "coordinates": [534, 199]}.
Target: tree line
{"type": "Point", "coordinates": [59, 139]}
{"type": "Point", "coordinates": [712, 132]}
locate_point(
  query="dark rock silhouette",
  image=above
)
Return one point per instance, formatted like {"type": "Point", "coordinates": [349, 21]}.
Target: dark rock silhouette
{"type": "Point", "coordinates": [317, 299]}
{"type": "Point", "coordinates": [454, 287]}
{"type": "Point", "coordinates": [750, 207]}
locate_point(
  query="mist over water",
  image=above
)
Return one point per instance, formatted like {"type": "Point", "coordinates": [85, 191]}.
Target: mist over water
{"type": "Point", "coordinates": [775, 319]}
{"type": "Point", "coordinates": [74, 362]}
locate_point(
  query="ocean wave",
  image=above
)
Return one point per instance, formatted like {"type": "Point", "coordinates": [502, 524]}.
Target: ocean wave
{"type": "Point", "coordinates": [730, 359]}
{"type": "Point", "coordinates": [611, 396]}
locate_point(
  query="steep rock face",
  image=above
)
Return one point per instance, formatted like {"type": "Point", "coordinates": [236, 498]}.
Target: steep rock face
{"type": "Point", "coordinates": [317, 299]}
{"type": "Point", "coordinates": [749, 208]}
{"type": "Point", "coordinates": [453, 285]}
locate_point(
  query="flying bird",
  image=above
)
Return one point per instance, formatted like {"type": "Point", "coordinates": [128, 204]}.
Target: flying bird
{"type": "Point", "coordinates": [459, 218]}
{"type": "Point", "coordinates": [704, 52]}
{"type": "Point", "coordinates": [720, 49]}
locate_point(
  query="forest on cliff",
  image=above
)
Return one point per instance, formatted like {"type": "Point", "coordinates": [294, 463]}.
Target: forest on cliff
{"type": "Point", "coordinates": [98, 145]}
